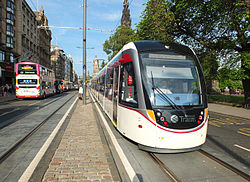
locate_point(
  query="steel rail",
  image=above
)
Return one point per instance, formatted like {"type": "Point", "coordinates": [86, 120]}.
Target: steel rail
{"type": "Point", "coordinates": [20, 142]}
{"type": "Point", "coordinates": [164, 168]}
{"type": "Point", "coordinates": [226, 165]}
{"type": "Point", "coordinates": [27, 113]}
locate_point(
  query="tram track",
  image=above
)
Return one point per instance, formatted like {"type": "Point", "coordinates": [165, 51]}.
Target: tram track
{"type": "Point", "coordinates": [189, 166]}
{"type": "Point", "coordinates": [226, 165]}
{"type": "Point", "coordinates": [34, 130]}
{"type": "Point", "coordinates": [27, 113]}
{"type": "Point", "coordinates": [175, 178]}
{"type": "Point", "coordinates": [164, 168]}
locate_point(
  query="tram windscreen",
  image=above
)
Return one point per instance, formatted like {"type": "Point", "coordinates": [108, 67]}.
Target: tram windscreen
{"type": "Point", "coordinates": [171, 78]}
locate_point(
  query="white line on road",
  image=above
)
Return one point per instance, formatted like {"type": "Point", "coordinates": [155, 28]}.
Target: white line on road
{"type": "Point", "coordinates": [30, 169]}
{"type": "Point", "coordinates": [242, 147]}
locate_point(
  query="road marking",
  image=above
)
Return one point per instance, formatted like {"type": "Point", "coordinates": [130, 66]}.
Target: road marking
{"type": "Point", "coordinates": [131, 173]}
{"type": "Point", "coordinates": [30, 169]}
{"type": "Point", "coordinates": [212, 123]}
{"type": "Point", "coordinates": [244, 131]}
{"type": "Point", "coordinates": [16, 109]}
{"type": "Point", "coordinates": [242, 147]}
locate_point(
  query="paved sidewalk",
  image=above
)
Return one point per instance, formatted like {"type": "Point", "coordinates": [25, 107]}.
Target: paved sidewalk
{"type": "Point", "coordinates": [81, 154]}
{"type": "Point", "coordinates": [229, 110]}
{"type": "Point", "coordinates": [9, 97]}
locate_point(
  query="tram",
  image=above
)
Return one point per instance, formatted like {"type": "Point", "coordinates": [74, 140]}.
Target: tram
{"type": "Point", "coordinates": [154, 94]}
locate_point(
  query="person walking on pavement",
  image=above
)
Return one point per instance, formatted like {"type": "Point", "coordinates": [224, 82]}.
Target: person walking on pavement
{"type": "Point", "coordinates": [5, 90]}
{"type": "Point", "coordinates": [80, 92]}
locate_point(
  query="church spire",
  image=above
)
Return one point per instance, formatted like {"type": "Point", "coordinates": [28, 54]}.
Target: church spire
{"type": "Point", "coordinates": [126, 14]}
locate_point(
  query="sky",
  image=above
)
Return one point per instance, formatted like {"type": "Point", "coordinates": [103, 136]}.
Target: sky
{"type": "Point", "coordinates": [101, 14]}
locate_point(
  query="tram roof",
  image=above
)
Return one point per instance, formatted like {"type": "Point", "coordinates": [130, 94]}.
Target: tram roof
{"type": "Point", "coordinates": [148, 45]}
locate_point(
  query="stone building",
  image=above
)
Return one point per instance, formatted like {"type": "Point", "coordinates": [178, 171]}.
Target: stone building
{"type": "Point", "coordinates": [27, 34]}
{"type": "Point", "coordinates": [58, 61]}
{"type": "Point", "coordinates": [8, 39]}
{"type": "Point", "coordinates": [20, 37]}
{"type": "Point", "coordinates": [71, 74]}
{"type": "Point", "coordinates": [44, 38]}
{"type": "Point", "coordinates": [95, 66]}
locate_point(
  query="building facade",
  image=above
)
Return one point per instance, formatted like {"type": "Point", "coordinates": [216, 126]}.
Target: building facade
{"type": "Point", "coordinates": [95, 67]}
{"type": "Point", "coordinates": [58, 62]}
{"type": "Point", "coordinates": [44, 38]}
{"type": "Point", "coordinates": [8, 47]}
{"type": "Point", "coordinates": [21, 39]}
{"type": "Point", "coordinates": [27, 33]}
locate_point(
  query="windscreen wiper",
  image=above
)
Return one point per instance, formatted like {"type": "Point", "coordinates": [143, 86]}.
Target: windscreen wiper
{"type": "Point", "coordinates": [163, 95]}
{"type": "Point", "coordinates": [166, 98]}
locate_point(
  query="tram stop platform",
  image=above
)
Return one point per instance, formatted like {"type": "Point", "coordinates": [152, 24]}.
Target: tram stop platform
{"type": "Point", "coordinates": [82, 154]}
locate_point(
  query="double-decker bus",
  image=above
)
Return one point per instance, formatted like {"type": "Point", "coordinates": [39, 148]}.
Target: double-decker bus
{"type": "Point", "coordinates": [34, 80]}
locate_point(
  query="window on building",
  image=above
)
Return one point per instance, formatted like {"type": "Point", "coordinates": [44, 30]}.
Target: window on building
{"type": "Point", "coordinates": [9, 40]}
{"type": "Point", "coordinates": [2, 56]}
{"type": "Point", "coordinates": [10, 18]}
{"type": "Point", "coordinates": [9, 28]}
{"type": "Point", "coordinates": [11, 57]}
{"type": "Point", "coordinates": [10, 5]}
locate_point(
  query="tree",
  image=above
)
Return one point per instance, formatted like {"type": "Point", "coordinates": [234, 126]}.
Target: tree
{"type": "Point", "coordinates": [152, 25]}
{"type": "Point", "coordinates": [219, 28]}
{"type": "Point", "coordinates": [102, 65]}
{"type": "Point", "coordinates": [122, 36]}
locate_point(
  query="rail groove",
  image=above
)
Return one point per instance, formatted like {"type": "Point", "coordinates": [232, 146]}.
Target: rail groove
{"type": "Point", "coordinates": [165, 169]}
{"type": "Point", "coordinates": [226, 165]}
{"type": "Point", "coordinates": [20, 142]}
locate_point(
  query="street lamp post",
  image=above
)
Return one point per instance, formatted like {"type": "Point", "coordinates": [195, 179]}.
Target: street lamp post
{"type": "Point", "coordinates": [84, 51]}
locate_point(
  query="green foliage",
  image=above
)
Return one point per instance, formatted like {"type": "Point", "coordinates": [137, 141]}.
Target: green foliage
{"type": "Point", "coordinates": [234, 100]}
{"type": "Point", "coordinates": [153, 22]}
{"type": "Point", "coordinates": [102, 65]}
{"type": "Point", "coordinates": [216, 29]}
{"type": "Point", "coordinates": [228, 77]}
{"type": "Point", "coordinates": [122, 36]}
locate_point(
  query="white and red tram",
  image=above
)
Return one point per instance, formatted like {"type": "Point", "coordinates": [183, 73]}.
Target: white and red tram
{"type": "Point", "coordinates": [154, 94]}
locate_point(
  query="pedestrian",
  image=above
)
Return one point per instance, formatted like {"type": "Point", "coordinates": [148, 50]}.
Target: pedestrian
{"type": "Point", "coordinates": [80, 93]}
{"type": "Point", "coordinates": [230, 90]}
{"type": "Point", "coordinates": [10, 88]}
{"type": "Point", "coordinates": [5, 90]}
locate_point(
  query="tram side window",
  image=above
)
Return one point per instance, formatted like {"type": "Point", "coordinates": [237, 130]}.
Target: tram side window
{"type": "Point", "coordinates": [101, 84]}
{"type": "Point", "coordinates": [128, 93]}
{"type": "Point", "coordinates": [109, 86]}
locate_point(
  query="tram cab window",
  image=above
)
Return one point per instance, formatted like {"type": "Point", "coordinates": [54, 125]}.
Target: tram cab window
{"type": "Point", "coordinates": [128, 93]}
{"type": "Point", "coordinates": [170, 77]}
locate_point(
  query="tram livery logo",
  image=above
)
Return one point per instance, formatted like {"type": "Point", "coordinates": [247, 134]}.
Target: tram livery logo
{"type": "Point", "coordinates": [174, 118]}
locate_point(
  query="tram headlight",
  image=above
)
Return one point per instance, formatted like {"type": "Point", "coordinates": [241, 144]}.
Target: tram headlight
{"type": "Point", "coordinates": [158, 114]}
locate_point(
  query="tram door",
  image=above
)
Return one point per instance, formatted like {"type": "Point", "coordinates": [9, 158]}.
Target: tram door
{"type": "Point", "coordinates": [115, 94]}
